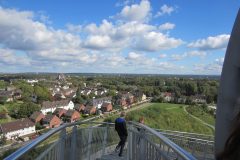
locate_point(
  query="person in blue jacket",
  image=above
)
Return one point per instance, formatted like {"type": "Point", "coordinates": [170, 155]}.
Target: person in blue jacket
{"type": "Point", "coordinates": [121, 128]}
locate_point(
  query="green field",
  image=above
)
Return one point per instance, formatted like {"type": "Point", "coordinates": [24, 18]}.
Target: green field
{"type": "Point", "coordinates": [199, 112]}
{"type": "Point", "coordinates": [167, 116]}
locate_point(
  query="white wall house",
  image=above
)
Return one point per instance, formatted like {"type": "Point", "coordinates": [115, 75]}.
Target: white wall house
{"type": "Point", "coordinates": [48, 106]}
{"type": "Point", "coordinates": [17, 128]}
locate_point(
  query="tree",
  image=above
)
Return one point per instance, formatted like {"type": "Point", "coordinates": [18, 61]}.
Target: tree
{"type": "Point", "coordinates": [191, 88]}
{"type": "Point", "coordinates": [25, 110]}
{"type": "Point", "coordinates": [3, 140]}
{"type": "Point", "coordinates": [42, 93]}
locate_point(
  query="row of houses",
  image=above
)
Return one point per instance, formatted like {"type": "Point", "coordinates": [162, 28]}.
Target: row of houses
{"type": "Point", "coordinates": [169, 97]}
{"type": "Point", "coordinates": [126, 99]}
{"type": "Point", "coordinates": [24, 127]}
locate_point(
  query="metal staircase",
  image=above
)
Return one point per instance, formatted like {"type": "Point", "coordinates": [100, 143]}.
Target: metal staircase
{"type": "Point", "coordinates": [94, 140]}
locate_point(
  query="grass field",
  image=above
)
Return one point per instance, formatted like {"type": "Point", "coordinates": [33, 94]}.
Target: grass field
{"type": "Point", "coordinates": [201, 114]}
{"type": "Point", "coordinates": [167, 116]}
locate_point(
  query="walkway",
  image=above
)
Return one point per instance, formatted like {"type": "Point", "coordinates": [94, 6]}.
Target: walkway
{"type": "Point", "coordinates": [209, 125]}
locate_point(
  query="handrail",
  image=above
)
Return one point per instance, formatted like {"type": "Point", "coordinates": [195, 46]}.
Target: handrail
{"type": "Point", "coordinates": [29, 146]}
{"type": "Point", "coordinates": [192, 138]}
{"type": "Point", "coordinates": [189, 133]}
{"type": "Point", "coordinates": [184, 154]}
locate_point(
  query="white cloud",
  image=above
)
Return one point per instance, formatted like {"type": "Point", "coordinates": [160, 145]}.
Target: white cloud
{"type": "Point", "coordinates": [214, 67]}
{"type": "Point", "coordinates": [219, 61]}
{"type": "Point", "coordinates": [74, 28]}
{"type": "Point", "coordinates": [166, 26]}
{"type": "Point", "coordinates": [134, 56]}
{"type": "Point", "coordinates": [197, 53]}
{"type": "Point", "coordinates": [210, 43]}
{"type": "Point", "coordinates": [178, 57]}
{"type": "Point", "coordinates": [27, 41]}
{"type": "Point", "coordinates": [162, 56]}
{"type": "Point", "coordinates": [155, 41]}
{"type": "Point", "coordinates": [98, 42]}
{"type": "Point", "coordinates": [136, 12]}
{"type": "Point", "coordinates": [165, 9]}
{"type": "Point", "coordinates": [8, 57]}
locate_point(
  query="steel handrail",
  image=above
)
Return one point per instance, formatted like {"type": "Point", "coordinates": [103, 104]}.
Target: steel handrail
{"type": "Point", "coordinates": [29, 146]}
{"type": "Point", "coordinates": [181, 136]}
{"type": "Point", "coordinates": [184, 154]}
{"type": "Point", "coordinates": [187, 133]}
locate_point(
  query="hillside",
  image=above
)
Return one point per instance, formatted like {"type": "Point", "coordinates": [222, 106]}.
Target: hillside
{"type": "Point", "coordinates": [167, 116]}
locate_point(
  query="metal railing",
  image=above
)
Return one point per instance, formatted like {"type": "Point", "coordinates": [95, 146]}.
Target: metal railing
{"type": "Point", "coordinates": [92, 140]}
{"type": "Point", "coordinates": [145, 143]}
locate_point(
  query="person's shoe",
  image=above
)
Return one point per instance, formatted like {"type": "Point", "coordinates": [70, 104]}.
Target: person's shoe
{"type": "Point", "coordinates": [120, 155]}
{"type": "Point", "coordinates": [117, 149]}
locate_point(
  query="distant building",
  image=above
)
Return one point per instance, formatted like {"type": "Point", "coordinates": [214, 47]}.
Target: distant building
{"type": "Point", "coordinates": [6, 96]}
{"type": "Point", "coordinates": [19, 128]}
{"type": "Point", "coordinates": [71, 116]}
{"type": "Point", "coordinates": [90, 110]}
{"type": "Point", "coordinates": [199, 99]}
{"type": "Point", "coordinates": [37, 116]}
{"type": "Point", "coordinates": [32, 81]}
{"type": "Point", "coordinates": [51, 121]}
{"type": "Point", "coordinates": [79, 107]}
{"type": "Point", "coordinates": [48, 106]}
{"type": "Point", "coordinates": [167, 96]}
{"type": "Point", "coordinates": [61, 77]}
{"type": "Point", "coordinates": [59, 112]}
{"type": "Point", "coordinates": [106, 107]}
{"type": "Point", "coordinates": [98, 102]}
{"type": "Point", "coordinates": [125, 99]}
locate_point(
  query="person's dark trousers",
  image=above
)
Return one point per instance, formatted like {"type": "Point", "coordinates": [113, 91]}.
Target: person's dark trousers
{"type": "Point", "coordinates": [121, 144]}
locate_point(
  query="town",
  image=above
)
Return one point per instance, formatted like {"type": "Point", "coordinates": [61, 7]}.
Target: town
{"type": "Point", "coordinates": [30, 107]}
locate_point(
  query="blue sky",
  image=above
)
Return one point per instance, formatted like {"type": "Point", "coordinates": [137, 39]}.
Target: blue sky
{"type": "Point", "coordinates": [122, 36]}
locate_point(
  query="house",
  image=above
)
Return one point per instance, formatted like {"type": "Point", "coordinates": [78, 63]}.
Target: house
{"type": "Point", "coordinates": [51, 121]}
{"type": "Point", "coordinates": [37, 116]}
{"type": "Point", "coordinates": [58, 97]}
{"type": "Point", "coordinates": [17, 94]}
{"type": "Point", "coordinates": [32, 81]}
{"type": "Point", "coordinates": [6, 96]}
{"type": "Point", "coordinates": [79, 107]}
{"type": "Point", "coordinates": [98, 102]}
{"type": "Point", "coordinates": [71, 116]}
{"type": "Point", "coordinates": [86, 91]}
{"type": "Point", "coordinates": [125, 99]}
{"type": "Point", "coordinates": [167, 96]}
{"type": "Point", "coordinates": [106, 107]}
{"type": "Point", "coordinates": [61, 77]}
{"type": "Point", "coordinates": [181, 100]}
{"type": "Point", "coordinates": [139, 96]}
{"type": "Point", "coordinates": [59, 112]}
{"type": "Point", "coordinates": [90, 110]}
{"type": "Point", "coordinates": [199, 99]}
{"type": "Point", "coordinates": [19, 128]}
{"type": "Point", "coordinates": [48, 106]}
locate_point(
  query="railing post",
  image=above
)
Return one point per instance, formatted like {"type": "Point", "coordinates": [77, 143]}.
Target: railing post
{"type": "Point", "coordinates": [142, 145]}
{"type": "Point", "coordinates": [62, 144]}
{"type": "Point", "coordinates": [129, 153]}
{"type": "Point", "coordinates": [89, 143]}
{"type": "Point", "coordinates": [105, 139]}
{"type": "Point", "coordinates": [73, 143]}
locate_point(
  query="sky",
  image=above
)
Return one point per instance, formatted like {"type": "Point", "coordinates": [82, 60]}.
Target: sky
{"type": "Point", "coordinates": [115, 36]}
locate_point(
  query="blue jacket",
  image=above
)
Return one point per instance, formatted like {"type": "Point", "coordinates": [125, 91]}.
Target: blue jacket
{"type": "Point", "coordinates": [120, 127]}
